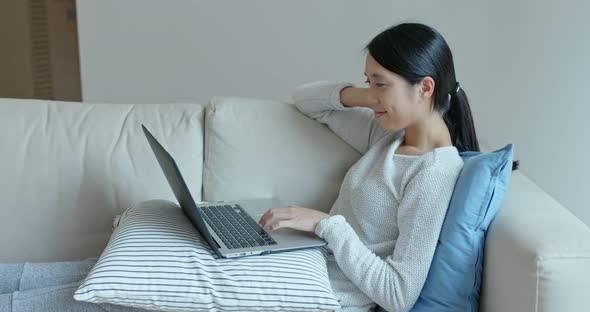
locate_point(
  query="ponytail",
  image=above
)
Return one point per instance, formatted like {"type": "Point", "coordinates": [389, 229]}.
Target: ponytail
{"type": "Point", "coordinates": [460, 122]}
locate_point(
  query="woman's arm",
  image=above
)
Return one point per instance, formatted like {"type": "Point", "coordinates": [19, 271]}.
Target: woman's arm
{"type": "Point", "coordinates": [353, 96]}
{"type": "Point", "coordinates": [355, 124]}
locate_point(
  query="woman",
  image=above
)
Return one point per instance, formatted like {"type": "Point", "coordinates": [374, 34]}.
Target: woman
{"type": "Point", "coordinates": [384, 226]}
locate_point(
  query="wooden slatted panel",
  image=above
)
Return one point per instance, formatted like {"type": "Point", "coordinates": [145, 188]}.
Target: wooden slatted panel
{"type": "Point", "coordinates": [40, 55]}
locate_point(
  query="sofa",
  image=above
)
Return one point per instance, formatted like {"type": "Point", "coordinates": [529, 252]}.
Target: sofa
{"type": "Point", "coordinates": [69, 168]}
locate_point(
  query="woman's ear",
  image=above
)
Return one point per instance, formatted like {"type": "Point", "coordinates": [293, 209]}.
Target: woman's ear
{"type": "Point", "coordinates": [427, 87]}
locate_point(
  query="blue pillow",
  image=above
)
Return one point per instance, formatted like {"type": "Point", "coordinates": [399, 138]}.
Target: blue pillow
{"type": "Point", "coordinates": [454, 279]}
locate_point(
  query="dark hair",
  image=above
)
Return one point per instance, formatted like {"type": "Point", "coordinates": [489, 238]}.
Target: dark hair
{"type": "Point", "coordinates": [415, 51]}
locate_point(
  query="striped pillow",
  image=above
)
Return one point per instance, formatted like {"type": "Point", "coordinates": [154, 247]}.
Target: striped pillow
{"type": "Point", "coordinates": [156, 259]}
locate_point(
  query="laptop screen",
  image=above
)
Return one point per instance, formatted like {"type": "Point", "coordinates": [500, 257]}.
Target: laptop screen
{"type": "Point", "coordinates": [179, 187]}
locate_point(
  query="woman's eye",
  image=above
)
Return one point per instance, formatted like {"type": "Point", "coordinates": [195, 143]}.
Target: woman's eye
{"type": "Point", "coordinates": [376, 84]}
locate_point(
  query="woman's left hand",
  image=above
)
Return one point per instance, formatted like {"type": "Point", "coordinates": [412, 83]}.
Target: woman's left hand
{"type": "Point", "coordinates": [295, 217]}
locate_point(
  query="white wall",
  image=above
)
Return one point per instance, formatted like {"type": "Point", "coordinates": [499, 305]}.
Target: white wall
{"type": "Point", "coordinates": [537, 98]}
{"type": "Point", "coordinates": [513, 60]}
{"type": "Point", "coordinates": [183, 50]}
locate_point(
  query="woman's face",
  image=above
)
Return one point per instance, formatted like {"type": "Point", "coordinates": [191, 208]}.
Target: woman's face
{"type": "Point", "coordinates": [393, 95]}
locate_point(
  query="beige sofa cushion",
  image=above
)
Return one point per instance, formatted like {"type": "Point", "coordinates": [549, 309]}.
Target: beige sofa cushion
{"type": "Point", "coordinates": [68, 168]}
{"type": "Point", "coordinates": [263, 148]}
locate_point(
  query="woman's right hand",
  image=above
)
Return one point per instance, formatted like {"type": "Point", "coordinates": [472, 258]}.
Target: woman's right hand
{"type": "Point", "coordinates": [353, 96]}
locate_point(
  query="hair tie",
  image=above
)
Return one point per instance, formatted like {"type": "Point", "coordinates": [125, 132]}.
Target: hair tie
{"type": "Point", "coordinates": [456, 89]}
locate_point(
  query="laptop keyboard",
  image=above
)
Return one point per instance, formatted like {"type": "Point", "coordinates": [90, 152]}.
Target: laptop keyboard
{"type": "Point", "coordinates": [235, 227]}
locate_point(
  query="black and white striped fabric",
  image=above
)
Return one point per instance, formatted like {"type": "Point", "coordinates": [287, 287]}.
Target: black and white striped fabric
{"type": "Point", "coordinates": [156, 259]}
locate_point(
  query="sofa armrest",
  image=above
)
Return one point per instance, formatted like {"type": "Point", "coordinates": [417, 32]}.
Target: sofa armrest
{"type": "Point", "coordinates": [537, 254]}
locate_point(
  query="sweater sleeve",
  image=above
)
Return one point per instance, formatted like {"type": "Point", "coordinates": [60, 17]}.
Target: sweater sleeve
{"type": "Point", "coordinates": [357, 126]}
{"type": "Point", "coordinates": [395, 283]}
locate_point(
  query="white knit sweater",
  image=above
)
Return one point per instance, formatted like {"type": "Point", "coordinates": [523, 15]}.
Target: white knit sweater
{"type": "Point", "coordinates": [384, 226]}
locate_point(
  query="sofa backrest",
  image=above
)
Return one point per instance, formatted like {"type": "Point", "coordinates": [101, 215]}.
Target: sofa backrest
{"type": "Point", "coordinates": [263, 148]}
{"type": "Point", "coordinates": [67, 168]}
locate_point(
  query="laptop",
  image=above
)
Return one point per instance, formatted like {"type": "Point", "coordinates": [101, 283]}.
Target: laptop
{"type": "Point", "coordinates": [231, 227]}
